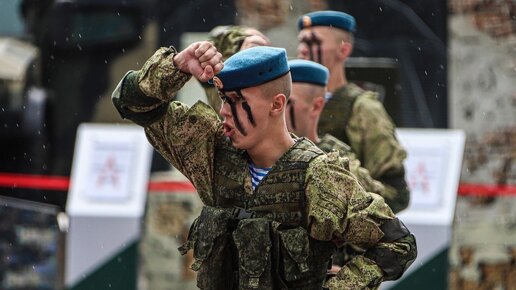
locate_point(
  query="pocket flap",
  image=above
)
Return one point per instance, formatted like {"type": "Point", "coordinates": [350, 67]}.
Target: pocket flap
{"type": "Point", "coordinates": [252, 240]}
{"type": "Point", "coordinates": [295, 242]}
{"type": "Point", "coordinates": [211, 224]}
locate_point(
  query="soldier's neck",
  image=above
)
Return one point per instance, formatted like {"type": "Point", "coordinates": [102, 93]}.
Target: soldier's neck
{"type": "Point", "coordinates": [271, 149]}
{"type": "Point", "coordinates": [337, 78]}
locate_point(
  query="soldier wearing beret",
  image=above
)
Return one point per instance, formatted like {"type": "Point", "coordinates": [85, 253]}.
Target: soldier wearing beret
{"type": "Point", "coordinates": [306, 102]}
{"type": "Point", "coordinates": [353, 115]}
{"type": "Point", "coordinates": [276, 206]}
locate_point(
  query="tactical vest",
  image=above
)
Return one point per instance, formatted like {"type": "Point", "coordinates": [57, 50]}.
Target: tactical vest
{"type": "Point", "coordinates": [337, 111]}
{"type": "Point", "coordinates": [259, 241]}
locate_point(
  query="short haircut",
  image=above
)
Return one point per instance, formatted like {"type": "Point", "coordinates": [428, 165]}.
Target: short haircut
{"type": "Point", "coordinates": [281, 85]}
{"type": "Point", "coordinates": [341, 35]}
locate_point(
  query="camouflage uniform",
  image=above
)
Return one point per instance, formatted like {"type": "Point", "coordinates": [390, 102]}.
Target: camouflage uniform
{"type": "Point", "coordinates": [329, 144]}
{"type": "Point", "coordinates": [281, 234]}
{"type": "Point", "coordinates": [356, 117]}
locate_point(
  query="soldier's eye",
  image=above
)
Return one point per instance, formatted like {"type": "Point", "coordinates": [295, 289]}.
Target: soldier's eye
{"type": "Point", "coordinates": [226, 99]}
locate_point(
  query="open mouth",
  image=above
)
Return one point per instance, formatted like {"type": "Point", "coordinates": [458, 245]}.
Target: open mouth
{"type": "Point", "coordinates": [228, 130]}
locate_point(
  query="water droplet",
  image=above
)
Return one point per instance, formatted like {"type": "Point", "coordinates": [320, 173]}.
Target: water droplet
{"type": "Point", "coordinates": [380, 8]}
{"type": "Point", "coordinates": [203, 20]}
{"type": "Point", "coordinates": [80, 36]}
{"type": "Point", "coordinates": [426, 73]}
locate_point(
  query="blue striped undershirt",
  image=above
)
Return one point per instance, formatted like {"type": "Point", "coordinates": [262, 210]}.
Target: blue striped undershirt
{"type": "Point", "coordinates": [257, 174]}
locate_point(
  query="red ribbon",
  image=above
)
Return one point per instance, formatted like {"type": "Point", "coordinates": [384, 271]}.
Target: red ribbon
{"type": "Point", "coordinates": [62, 183]}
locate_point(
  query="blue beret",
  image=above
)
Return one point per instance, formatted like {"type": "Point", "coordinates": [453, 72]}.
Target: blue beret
{"type": "Point", "coordinates": [337, 19]}
{"type": "Point", "coordinates": [252, 67]}
{"type": "Point", "coordinates": [305, 71]}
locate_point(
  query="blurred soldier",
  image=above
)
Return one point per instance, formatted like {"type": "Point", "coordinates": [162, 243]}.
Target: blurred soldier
{"type": "Point", "coordinates": [306, 102]}
{"type": "Point", "coordinates": [353, 115]}
{"type": "Point", "coordinates": [275, 205]}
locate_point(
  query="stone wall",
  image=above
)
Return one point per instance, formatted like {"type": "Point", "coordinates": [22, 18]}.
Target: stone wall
{"type": "Point", "coordinates": [482, 98]}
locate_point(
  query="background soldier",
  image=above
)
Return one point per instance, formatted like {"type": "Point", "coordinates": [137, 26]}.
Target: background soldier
{"type": "Point", "coordinates": [306, 102]}
{"type": "Point", "coordinates": [275, 205]}
{"type": "Point", "coordinates": [352, 114]}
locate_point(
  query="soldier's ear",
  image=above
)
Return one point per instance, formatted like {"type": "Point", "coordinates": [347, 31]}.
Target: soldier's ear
{"type": "Point", "coordinates": [345, 49]}
{"type": "Point", "coordinates": [318, 105]}
{"type": "Point", "coordinates": [279, 103]}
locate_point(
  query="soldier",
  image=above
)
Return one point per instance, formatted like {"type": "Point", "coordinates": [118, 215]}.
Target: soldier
{"type": "Point", "coordinates": [304, 107]}
{"type": "Point", "coordinates": [353, 115]}
{"type": "Point", "coordinates": [229, 40]}
{"type": "Point", "coordinates": [275, 206]}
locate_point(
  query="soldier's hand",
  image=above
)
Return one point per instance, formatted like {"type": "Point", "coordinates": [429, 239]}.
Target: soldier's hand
{"type": "Point", "coordinates": [200, 59]}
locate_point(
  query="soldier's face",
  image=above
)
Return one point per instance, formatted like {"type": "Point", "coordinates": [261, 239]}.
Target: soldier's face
{"type": "Point", "coordinates": [245, 115]}
{"type": "Point", "coordinates": [298, 110]}
{"type": "Point", "coordinates": [318, 44]}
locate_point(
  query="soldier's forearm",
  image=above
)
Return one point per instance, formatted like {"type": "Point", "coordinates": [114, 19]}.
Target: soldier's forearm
{"type": "Point", "coordinates": [143, 96]}
{"type": "Point", "coordinates": [396, 251]}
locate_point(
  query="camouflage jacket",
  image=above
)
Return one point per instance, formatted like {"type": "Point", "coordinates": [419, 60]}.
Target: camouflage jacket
{"type": "Point", "coordinates": [337, 209]}
{"type": "Point", "coordinates": [356, 117]}
{"type": "Point", "coordinates": [329, 143]}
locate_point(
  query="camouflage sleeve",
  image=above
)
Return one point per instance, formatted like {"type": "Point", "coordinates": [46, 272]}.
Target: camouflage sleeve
{"type": "Point", "coordinates": [371, 135]}
{"type": "Point", "coordinates": [339, 210]}
{"type": "Point", "coordinates": [329, 143]}
{"type": "Point", "coordinates": [184, 136]}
